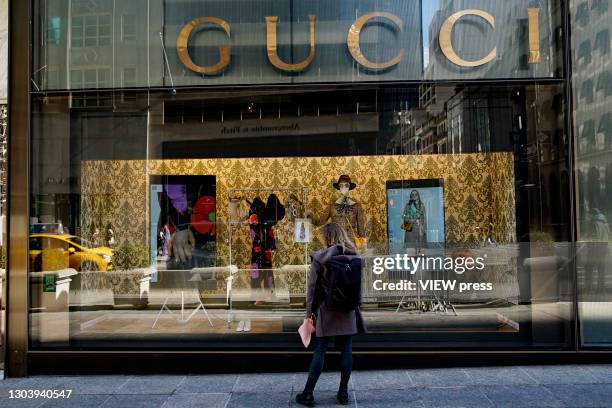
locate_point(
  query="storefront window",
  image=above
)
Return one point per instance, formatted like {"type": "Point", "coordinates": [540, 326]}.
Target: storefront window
{"type": "Point", "coordinates": [594, 171]}
{"type": "Point", "coordinates": [150, 210]}
{"type": "Point", "coordinates": [176, 215]}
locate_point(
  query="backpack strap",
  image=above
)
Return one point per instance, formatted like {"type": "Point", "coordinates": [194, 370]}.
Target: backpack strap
{"type": "Point", "coordinates": [317, 291]}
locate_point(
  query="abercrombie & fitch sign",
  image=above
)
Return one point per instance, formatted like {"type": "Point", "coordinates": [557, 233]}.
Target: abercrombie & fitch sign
{"type": "Point", "coordinates": [373, 46]}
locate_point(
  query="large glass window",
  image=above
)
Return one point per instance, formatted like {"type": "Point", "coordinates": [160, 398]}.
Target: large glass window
{"type": "Point", "coordinates": [147, 209]}
{"type": "Point", "coordinates": [176, 215]}
{"type": "Point", "coordinates": [592, 112]}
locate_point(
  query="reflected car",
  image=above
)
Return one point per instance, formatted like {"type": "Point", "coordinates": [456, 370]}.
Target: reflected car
{"type": "Point", "coordinates": [82, 254]}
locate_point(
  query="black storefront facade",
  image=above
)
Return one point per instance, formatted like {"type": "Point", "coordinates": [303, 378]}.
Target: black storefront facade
{"type": "Point", "coordinates": [173, 163]}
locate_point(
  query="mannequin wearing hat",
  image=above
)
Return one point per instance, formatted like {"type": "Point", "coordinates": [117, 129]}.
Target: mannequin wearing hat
{"type": "Point", "coordinates": [344, 211]}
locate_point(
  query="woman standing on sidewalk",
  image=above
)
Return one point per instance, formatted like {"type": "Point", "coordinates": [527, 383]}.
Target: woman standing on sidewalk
{"type": "Point", "coordinates": [331, 324]}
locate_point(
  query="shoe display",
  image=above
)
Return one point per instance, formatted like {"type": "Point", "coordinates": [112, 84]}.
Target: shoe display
{"type": "Point", "coordinates": [305, 398]}
{"type": "Point", "coordinates": [240, 326]}
{"type": "Point", "coordinates": [247, 326]}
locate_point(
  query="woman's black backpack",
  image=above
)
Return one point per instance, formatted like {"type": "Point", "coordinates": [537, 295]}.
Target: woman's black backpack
{"type": "Point", "coordinates": [342, 289]}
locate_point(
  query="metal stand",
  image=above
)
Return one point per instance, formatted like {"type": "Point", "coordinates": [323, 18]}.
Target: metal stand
{"type": "Point", "coordinates": [435, 304]}
{"type": "Point", "coordinates": [183, 320]}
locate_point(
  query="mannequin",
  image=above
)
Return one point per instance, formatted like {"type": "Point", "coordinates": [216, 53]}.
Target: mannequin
{"type": "Point", "coordinates": [236, 213]}
{"type": "Point", "coordinates": [344, 211]}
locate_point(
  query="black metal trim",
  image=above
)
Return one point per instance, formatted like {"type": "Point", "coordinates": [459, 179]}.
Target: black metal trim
{"type": "Point", "coordinates": [327, 85]}
{"type": "Point", "coordinates": [210, 363]}
{"type": "Point", "coordinates": [573, 188]}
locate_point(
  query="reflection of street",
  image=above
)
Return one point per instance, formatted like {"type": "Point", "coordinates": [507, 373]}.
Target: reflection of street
{"type": "Point", "coordinates": [133, 324]}
{"type": "Point", "coordinates": [49, 252]}
{"type": "Point", "coordinates": [593, 266]}
{"type": "Point", "coordinates": [180, 302]}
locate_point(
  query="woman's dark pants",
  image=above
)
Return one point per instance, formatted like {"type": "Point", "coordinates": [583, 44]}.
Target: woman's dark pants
{"type": "Point", "coordinates": [344, 344]}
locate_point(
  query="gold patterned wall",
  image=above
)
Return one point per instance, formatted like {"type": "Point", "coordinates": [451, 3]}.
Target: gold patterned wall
{"type": "Point", "coordinates": [478, 188]}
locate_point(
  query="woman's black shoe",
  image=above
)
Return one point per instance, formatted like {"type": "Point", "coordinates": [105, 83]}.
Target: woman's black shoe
{"type": "Point", "coordinates": [342, 397]}
{"type": "Point", "coordinates": [305, 398]}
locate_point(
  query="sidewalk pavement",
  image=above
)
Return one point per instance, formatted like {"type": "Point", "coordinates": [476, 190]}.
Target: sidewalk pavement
{"type": "Point", "coordinates": [526, 386]}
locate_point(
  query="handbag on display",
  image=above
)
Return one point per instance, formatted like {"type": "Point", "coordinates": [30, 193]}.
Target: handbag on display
{"type": "Point", "coordinates": [361, 243]}
{"type": "Point", "coordinates": [407, 226]}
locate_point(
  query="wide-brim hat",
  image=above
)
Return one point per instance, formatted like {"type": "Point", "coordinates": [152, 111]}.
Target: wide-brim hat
{"type": "Point", "coordinates": [345, 179]}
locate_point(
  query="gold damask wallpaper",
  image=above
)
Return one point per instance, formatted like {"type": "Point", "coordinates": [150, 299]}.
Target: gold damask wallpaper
{"type": "Point", "coordinates": [478, 188]}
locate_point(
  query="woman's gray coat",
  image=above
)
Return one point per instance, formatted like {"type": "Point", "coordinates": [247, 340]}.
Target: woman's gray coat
{"type": "Point", "coordinates": [331, 323]}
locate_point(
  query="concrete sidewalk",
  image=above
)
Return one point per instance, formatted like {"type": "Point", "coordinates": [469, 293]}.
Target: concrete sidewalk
{"type": "Point", "coordinates": [529, 386]}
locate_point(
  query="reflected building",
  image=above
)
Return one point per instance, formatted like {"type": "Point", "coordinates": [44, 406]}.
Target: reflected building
{"type": "Point", "coordinates": [592, 80]}
{"type": "Point", "coordinates": [474, 38]}
{"type": "Point", "coordinates": [592, 97]}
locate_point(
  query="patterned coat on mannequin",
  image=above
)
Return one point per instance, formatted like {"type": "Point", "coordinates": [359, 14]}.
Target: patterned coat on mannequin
{"type": "Point", "coordinates": [262, 244]}
{"type": "Point", "coordinates": [262, 219]}
{"type": "Point", "coordinates": [345, 211]}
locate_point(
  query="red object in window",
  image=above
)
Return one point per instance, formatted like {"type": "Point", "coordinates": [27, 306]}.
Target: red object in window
{"type": "Point", "coordinates": [204, 215]}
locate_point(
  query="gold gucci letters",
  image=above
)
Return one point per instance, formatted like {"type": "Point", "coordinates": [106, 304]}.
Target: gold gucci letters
{"type": "Point", "coordinates": [182, 44]}
{"type": "Point", "coordinates": [353, 42]}
{"type": "Point", "coordinates": [273, 51]}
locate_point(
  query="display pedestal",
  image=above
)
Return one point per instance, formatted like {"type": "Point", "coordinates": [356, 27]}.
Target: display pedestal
{"type": "Point", "coordinates": [165, 308]}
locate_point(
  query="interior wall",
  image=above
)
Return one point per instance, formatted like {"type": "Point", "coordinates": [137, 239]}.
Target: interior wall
{"type": "Point", "coordinates": [478, 188]}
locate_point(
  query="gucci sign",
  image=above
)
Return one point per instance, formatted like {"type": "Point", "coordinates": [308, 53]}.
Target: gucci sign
{"type": "Point", "coordinates": [353, 41]}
